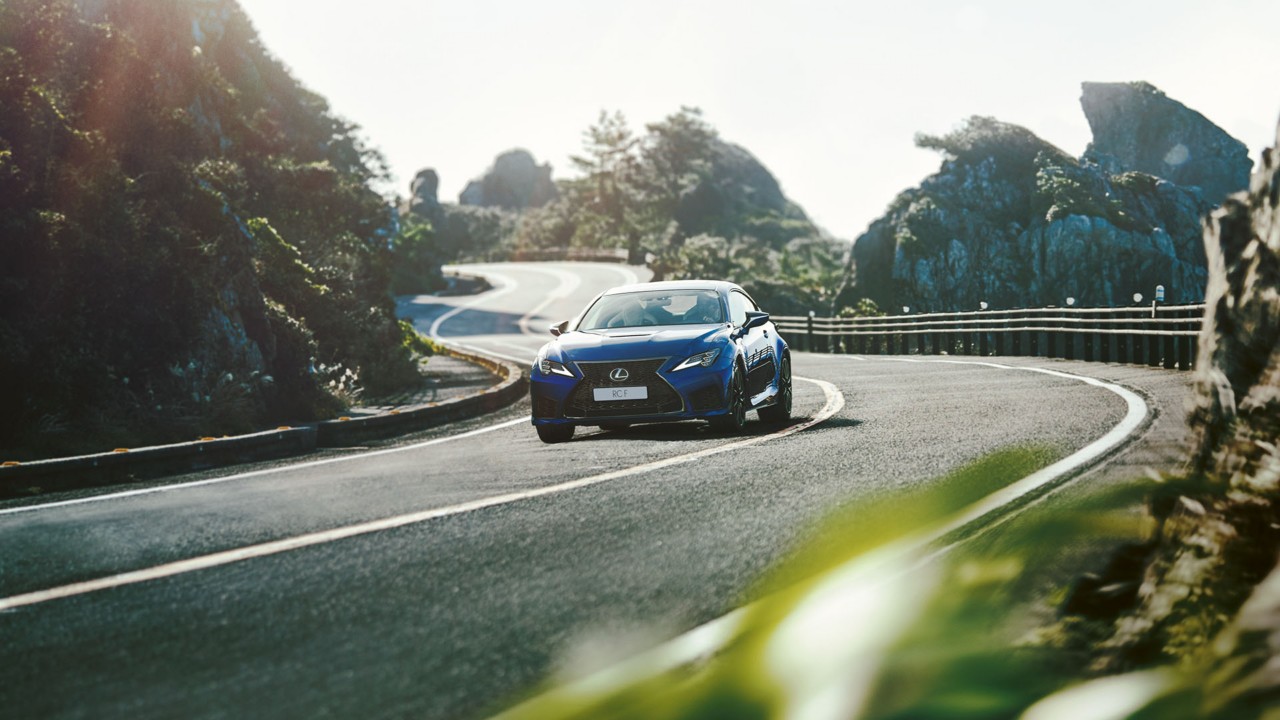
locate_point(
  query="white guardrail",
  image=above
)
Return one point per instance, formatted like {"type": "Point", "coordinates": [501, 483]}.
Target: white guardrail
{"type": "Point", "coordinates": [1160, 335]}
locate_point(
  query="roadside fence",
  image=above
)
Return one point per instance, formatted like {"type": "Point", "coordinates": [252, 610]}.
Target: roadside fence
{"type": "Point", "coordinates": [1159, 335]}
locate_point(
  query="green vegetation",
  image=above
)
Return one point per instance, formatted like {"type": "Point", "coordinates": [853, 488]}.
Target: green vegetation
{"type": "Point", "coordinates": [677, 196]}
{"type": "Point", "coordinates": [1063, 188]}
{"type": "Point", "coordinates": [189, 241]}
{"type": "Point", "coordinates": [1012, 147]}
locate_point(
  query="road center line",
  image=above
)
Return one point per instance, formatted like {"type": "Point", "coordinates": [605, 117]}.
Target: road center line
{"type": "Point", "coordinates": [833, 404]}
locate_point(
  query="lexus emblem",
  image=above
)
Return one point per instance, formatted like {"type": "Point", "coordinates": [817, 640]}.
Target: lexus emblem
{"type": "Point", "coordinates": [619, 375]}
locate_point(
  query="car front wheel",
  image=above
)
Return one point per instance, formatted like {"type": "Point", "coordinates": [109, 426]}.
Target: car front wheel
{"type": "Point", "coordinates": [736, 418]}
{"type": "Point", "coordinates": [555, 433]}
{"type": "Point", "coordinates": [780, 412]}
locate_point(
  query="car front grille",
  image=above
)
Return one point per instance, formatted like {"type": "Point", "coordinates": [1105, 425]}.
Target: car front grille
{"type": "Point", "coordinates": [662, 397]}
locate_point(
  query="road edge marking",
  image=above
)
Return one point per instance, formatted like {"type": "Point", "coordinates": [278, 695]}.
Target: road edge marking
{"type": "Point", "coordinates": [264, 471]}
{"type": "Point", "coordinates": [705, 640]}
{"type": "Point", "coordinates": [834, 402]}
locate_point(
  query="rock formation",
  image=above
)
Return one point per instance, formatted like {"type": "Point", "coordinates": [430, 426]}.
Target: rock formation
{"type": "Point", "coordinates": [737, 187]}
{"type": "Point", "coordinates": [423, 200]}
{"type": "Point", "coordinates": [1137, 127]}
{"type": "Point", "coordinates": [515, 182]}
{"type": "Point", "coordinates": [1011, 220]}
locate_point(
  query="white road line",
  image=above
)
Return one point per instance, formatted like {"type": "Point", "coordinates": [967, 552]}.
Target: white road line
{"type": "Point", "coordinates": [628, 275]}
{"type": "Point", "coordinates": [569, 282]}
{"type": "Point", "coordinates": [523, 361]}
{"type": "Point", "coordinates": [484, 297]}
{"type": "Point", "coordinates": [268, 471]}
{"type": "Point", "coordinates": [705, 640]}
{"type": "Point", "coordinates": [834, 403]}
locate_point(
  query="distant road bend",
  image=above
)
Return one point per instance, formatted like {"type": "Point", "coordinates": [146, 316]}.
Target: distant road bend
{"type": "Point", "coordinates": [447, 574]}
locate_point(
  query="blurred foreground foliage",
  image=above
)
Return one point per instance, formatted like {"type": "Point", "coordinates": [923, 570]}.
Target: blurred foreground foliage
{"type": "Point", "coordinates": [190, 242]}
{"type": "Point", "coordinates": [878, 616]}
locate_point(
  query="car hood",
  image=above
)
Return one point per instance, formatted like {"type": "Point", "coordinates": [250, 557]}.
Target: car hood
{"type": "Point", "coordinates": [638, 343]}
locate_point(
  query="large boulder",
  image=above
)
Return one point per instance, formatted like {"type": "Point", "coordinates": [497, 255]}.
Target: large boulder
{"type": "Point", "coordinates": [515, 182]}
{"type": "Point", "coordinates": [1137, 127]}
{"type": "Point", "coordinates": [423, 199]}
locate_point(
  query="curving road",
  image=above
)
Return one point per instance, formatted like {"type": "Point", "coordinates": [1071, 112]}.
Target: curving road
{"type": "Point", "coordinates": [448, 574]}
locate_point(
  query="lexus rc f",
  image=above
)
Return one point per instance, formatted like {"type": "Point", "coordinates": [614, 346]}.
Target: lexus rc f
{"type": "Point", "coordinates": [661, 352]}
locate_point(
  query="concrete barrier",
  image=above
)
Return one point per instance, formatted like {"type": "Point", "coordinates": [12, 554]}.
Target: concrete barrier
{"type": "Point", "coordinates": [133, 465]}
{"type": "Point", "coordinates": [356, 431]}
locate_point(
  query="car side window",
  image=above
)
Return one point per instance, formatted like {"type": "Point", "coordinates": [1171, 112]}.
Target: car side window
{"type": "Point", "coordinates": [739, 304]}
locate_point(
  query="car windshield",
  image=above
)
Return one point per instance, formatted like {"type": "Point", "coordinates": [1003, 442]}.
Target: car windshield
{"type": "Point", "coordinates": [654, 307]}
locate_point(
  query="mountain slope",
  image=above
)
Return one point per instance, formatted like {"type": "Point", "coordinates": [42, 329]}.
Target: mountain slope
{"type": "Point", "coordinates": [190, 243]}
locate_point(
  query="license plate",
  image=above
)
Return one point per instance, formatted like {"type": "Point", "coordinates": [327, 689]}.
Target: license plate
{"type": "Point", "coordinates": [621, 393]}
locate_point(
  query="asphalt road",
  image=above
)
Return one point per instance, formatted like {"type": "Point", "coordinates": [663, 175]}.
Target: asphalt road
{"type": "Point", "coordinates": [446, 575]}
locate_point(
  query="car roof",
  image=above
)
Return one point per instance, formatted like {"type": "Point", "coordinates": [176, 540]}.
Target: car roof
{"type": "Point", "coordinates": [717, 285]}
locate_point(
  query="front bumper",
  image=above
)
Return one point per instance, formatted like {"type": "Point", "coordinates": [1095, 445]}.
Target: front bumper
{"type": "Point", "coordinates": [690, 394]}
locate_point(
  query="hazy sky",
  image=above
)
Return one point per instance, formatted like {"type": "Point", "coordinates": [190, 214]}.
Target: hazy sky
{"type": "Point", "coordinates": [828, 95]}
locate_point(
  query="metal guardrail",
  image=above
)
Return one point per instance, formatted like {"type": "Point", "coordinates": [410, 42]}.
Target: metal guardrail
{"type": "Point", "coordinates": [1161, 335]}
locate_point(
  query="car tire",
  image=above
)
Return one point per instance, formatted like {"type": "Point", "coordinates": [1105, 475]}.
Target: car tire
{"type": "Point", "coordinates": [555, 433]}
{"type": "Point", "coordinates": [780, 412]}
{"type": "Point", "coordinates": [735, 419]}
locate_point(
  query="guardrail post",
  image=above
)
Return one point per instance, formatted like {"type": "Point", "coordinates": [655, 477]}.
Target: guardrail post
{"type": "Point", "coordinates": [1016, 333]}
{"type": "Point", "coordinates": [1051, 341]}
{"type": "Point", "coordinates": [808, 342]}
{"type": "Point", "coordinates": [920, 337]}
{"type": "Point", "coordinates": [984, 344]}
{"type": "Point", "coordinates": [1088, 344]}
{"type": "Point", "coordinates": [999, 342]}
{"type": "Point", "coordinates": [1186, 344]}
{"type": "Point", "coordinates": [1135, 341]}
{"type": "Point", "coordinates": [1034, 341]}
{"type": "Point", "coordinates": [1104, 340]}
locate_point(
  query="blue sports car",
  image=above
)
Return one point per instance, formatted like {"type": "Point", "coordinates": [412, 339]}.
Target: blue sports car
{"type": "Point", "coordinates": [660, 352]}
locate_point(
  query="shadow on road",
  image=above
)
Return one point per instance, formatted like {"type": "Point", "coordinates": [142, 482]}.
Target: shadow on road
{"type": "Point", "coordinates": [697, 430]}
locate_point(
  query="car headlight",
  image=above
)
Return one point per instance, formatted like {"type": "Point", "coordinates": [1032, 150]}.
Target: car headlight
{"type": "Point", "coordinates": [704, 359]}
{"type": "Point", "coordinates": [551, 366]}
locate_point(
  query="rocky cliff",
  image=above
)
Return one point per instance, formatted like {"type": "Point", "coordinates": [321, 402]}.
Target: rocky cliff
{"type": "Point", "coordinates": [515, 182]}
{"type": "Point", "coordinates": [1011, 220]}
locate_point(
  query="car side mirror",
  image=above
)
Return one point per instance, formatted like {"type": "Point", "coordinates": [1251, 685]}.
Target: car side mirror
{"type": "Point", "coordinates": [754, 320]}
{"type": "Point", "coordinates": [560, 328]}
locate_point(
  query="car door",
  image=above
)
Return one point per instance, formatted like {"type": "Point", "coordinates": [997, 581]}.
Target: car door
{"type": "Point", "coordinates": [757, 345]}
